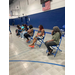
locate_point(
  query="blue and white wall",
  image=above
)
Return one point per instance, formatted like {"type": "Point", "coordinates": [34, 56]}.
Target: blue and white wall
{"type": "Point", "coordinates": [55, 16]}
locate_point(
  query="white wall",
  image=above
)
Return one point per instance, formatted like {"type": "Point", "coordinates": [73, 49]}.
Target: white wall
{"type": "Point", "coordinates": [33, 7]}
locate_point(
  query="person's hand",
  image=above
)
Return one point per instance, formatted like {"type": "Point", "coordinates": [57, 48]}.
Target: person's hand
{"type": "Point", "coordinates": [50, 40]}
{"type": "Point", "coordinates": [52, 32]}
{"type": "Point", "coordinates": [36, 35]}
{"type": "Point", "coordinates": [47, 41]}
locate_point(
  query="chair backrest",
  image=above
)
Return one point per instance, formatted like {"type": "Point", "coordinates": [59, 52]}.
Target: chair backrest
{"type": "Point", "coordinates": [60, 40]}
{"type": "Point", "coordinates": [44, 34]}
{"type": "Point", "coordinates": [63, 26]}
{"type": "Point", "coordinates": [33, 32]}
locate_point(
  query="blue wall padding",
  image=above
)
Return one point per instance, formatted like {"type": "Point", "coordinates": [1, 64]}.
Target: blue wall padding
{"type": "Point", "coordinates": [48, 19]}
{"type": "Point", "coordinates": [10, 21]}
{"type": "Point", "coordinates": [17, 21]}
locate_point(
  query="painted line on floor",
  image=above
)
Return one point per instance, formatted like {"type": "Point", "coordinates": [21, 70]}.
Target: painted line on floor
{"type": "Point", "coordinates": [36, 62]}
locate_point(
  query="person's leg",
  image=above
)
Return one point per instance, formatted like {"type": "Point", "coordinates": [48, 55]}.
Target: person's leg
{"type": "Point", "coordinates": [52, 43]}
{"type": "Point", "coordinates": [26, 36]}
{"type": "Point", "coordinates": [32, 45]}
{"type": "Point", "coordinates": [34, 40]}
{"type": "Point", "coordinates": [19, 31]}
{"type": "Point", "coordinates": [16, 32]}
{"type": "Point", "coordinates": [23, 34]}
{"type": "Point", "coordinates": [10, 30]}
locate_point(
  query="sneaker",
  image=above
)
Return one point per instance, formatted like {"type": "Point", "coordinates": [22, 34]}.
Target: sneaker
{"type": "Point", "coordinates": [10, 33]}
{"type": "Point", "coordinates": [27, 41]}
{"type": "Point", "coordinates": [31, 46]}
{"type": "Point", "coordinates": [22, 38]}
{"type": "Point", "coordinates": [48, 54]}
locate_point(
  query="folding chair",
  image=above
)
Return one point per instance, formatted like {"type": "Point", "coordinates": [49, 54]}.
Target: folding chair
{"type": "Point", "coordinates": [56, 47]}
{"type": "Point", "coordinates": [40, 40]}
{"type": "Point", "coordinates": [31, 38]}
{"type": "Point", "coordinates": [63, 30]}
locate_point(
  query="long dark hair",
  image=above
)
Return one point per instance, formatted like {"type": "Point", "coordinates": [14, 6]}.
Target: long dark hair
{"type": "Point", "coordinates": [56, 29]}
{"type": "Point", "coordinates": [41, 27]}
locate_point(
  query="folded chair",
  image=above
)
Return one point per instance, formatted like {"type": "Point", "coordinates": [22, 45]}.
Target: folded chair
{"type": "Point", "coordinates": [57, 48]}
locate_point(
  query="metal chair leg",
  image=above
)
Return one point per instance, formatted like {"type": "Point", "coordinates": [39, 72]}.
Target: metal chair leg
{"type": "Point", "coordinates": [60, 50]}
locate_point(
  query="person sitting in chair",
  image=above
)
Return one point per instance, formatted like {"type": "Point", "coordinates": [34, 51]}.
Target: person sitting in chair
{"type": "Point", "coordinates": [29, 33]}
{"type": "Point", "coordinates": [56, 34]}
{"type": "Point", "coordinates": [24, 31]}
{"type": "Point", "coordinates": [22, 27]}
{"type": "Point", "coordinates": [18, 30]}
{"type": "Point", "coordinates": [39, 35]}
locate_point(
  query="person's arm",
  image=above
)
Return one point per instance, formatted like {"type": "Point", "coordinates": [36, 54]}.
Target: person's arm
{"type": "Point", "coordinates": [37, 32]}
{"type": "Point", "coordinates": [23, 28]}
{"type": "Point", "coordinates": [21, 31]}
{"type": "Point", "coordinates": [54, 38]}
{"type": "Point", "coordinates": [29, 31]}
{"type": "Point", "coordinates": [50, 40]}
{"type": "Point", "coordinates": [26, 29]}
{"type": "Point", "coordinates": [52, 32]}
{"type": "Point", "coordinates": [41, 32]}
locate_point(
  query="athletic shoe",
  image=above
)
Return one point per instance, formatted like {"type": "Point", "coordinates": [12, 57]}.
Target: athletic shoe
{"type": "Point", "coordinates": [31, 46]}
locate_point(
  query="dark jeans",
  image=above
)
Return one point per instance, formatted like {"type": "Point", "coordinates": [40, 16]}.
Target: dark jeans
{"type": "Point", "coordinates": [26, 35]}
{"type": "Point", "coordinates": [51, 43]}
